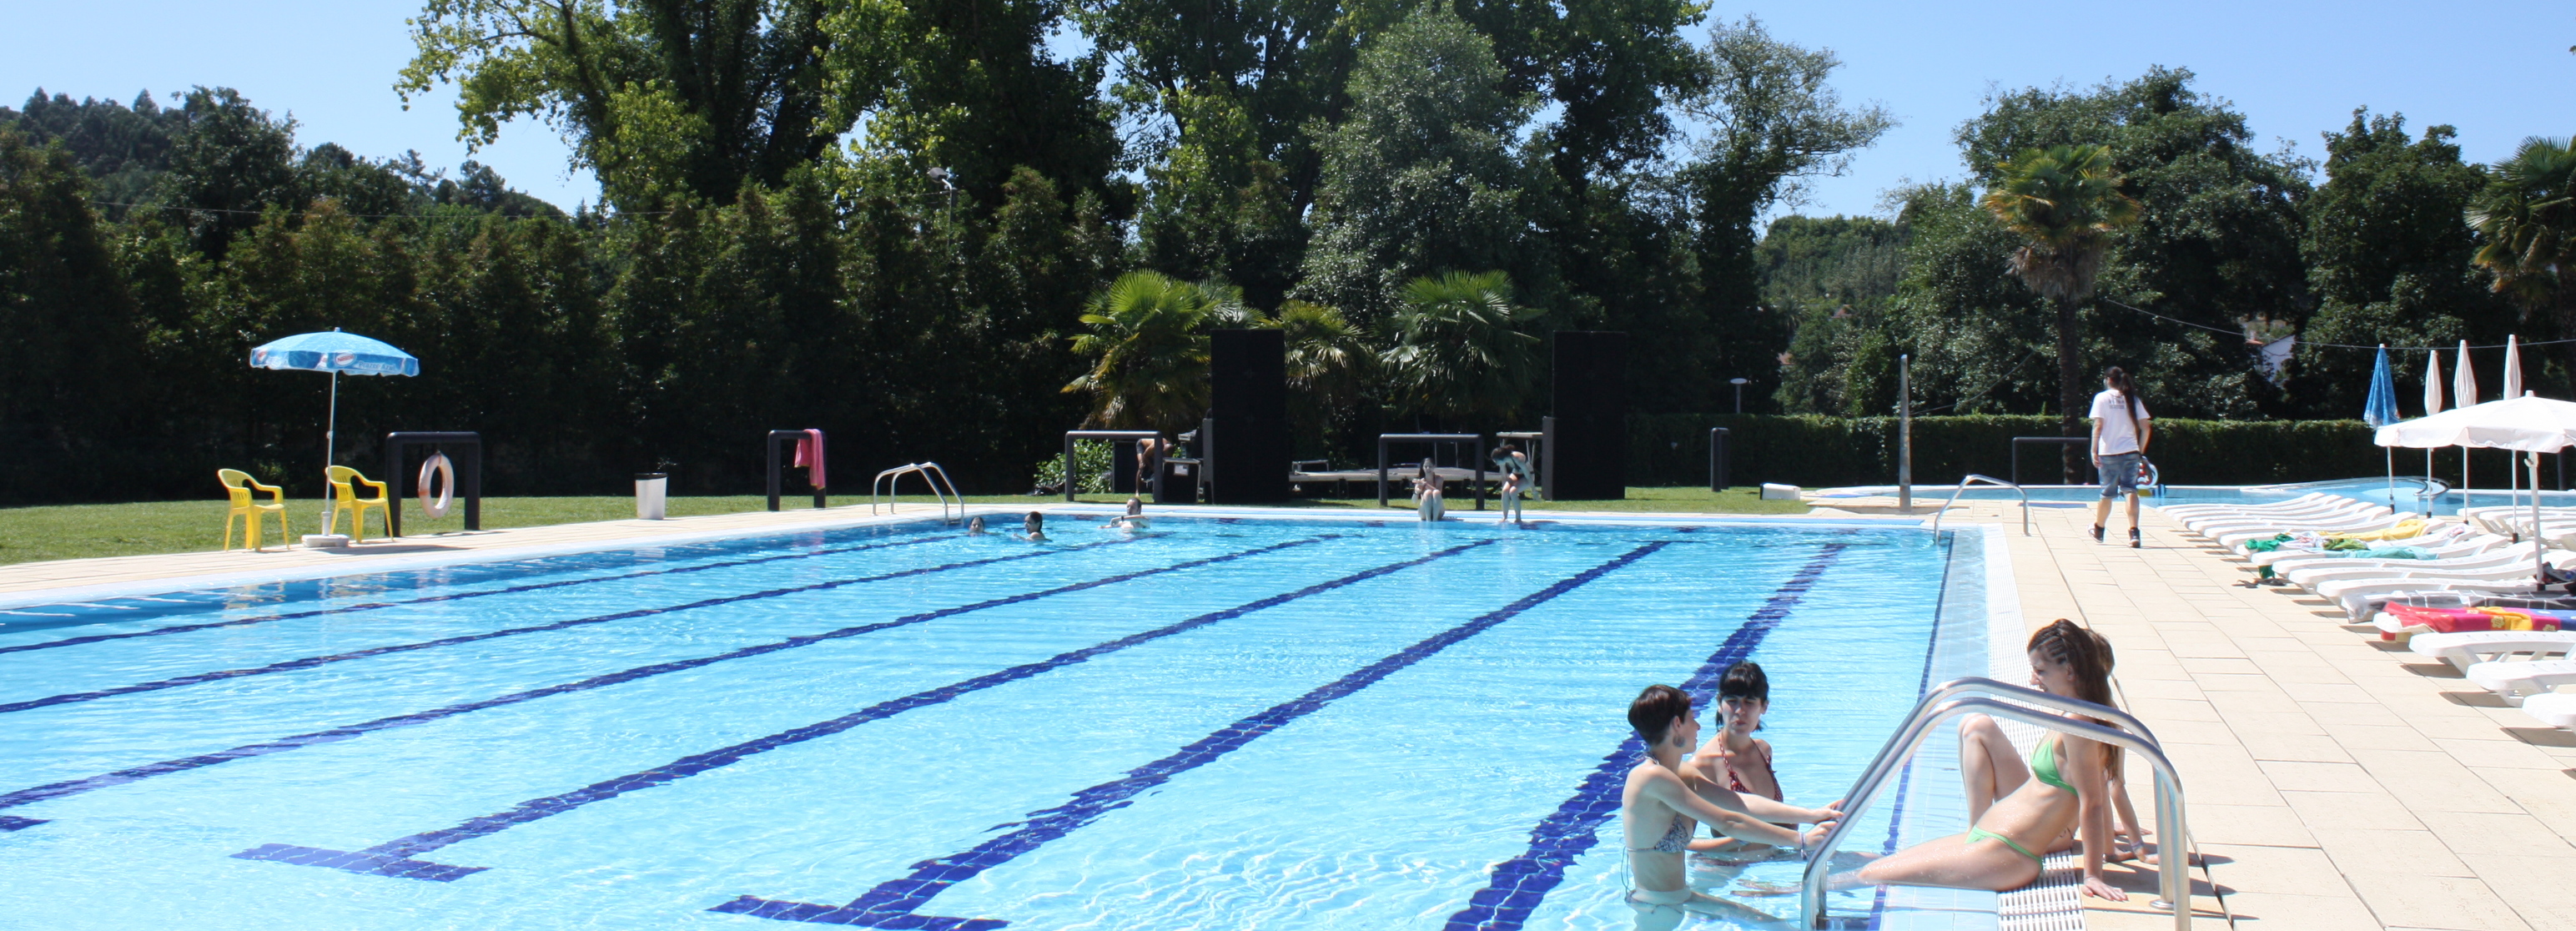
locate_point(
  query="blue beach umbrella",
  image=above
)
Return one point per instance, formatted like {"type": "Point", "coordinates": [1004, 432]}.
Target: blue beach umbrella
{"type": "Point", "coordinates": [334, 352]}
{"type": "Point", "coordinates": [2381, 410]}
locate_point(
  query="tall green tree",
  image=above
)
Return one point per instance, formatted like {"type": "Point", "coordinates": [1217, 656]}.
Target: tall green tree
{"type": "Point", "coordinates": [1420, 179]}
{"type": "Point", "coordinates": [229, 162]}
{"type": "Point", "coordinates": [69, 366]}
{"type": "Point", "coordinates": [2065, 203]}
{"type": "Point", "coordinates": [1216, 208]}
{"type": "Point", "coordinates": [1459, 347]}
{"type": "Point", "coordinates": [1771, 121]}
{"type": "Point", "coordinates": [2527, 214]}
{"type": "Point", "coordinates": [2388, 247]}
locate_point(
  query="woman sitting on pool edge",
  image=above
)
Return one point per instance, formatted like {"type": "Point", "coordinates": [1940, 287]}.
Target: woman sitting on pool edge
{"type": "Point", "coordinates": [1663, 799]}
{"type": "Point", "coordinates": [2016, 811]}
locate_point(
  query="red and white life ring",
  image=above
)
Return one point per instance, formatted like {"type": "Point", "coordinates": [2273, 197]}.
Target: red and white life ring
{"type": "Point", "coordinates": [437, 463]}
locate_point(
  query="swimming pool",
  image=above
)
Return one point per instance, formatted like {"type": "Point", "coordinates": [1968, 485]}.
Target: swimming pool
{"type": "Point", "coordinates": [2402, 493]}
{"type": "Point", "coordinates": [1221, 723]}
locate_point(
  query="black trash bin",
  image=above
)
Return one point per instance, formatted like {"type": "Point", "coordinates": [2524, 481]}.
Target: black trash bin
{"type": "Point", "coordinates": [1180, 482]}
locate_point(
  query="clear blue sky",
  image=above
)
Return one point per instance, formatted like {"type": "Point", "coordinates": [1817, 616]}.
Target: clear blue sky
{"type": "Point", "coordinates": [2499, 71]}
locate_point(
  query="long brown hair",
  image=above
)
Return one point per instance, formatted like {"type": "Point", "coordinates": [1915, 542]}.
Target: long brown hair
{"type": "Point", "coordinates": [2087, 658]}
{"type": "Point", "coordinates": [2126, 386]}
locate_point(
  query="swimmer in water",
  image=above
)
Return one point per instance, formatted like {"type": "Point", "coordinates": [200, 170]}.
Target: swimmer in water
{"type": "Point", "coordinates": [1134, 519]}
{"type": "Point", "coordinates": [1663, 799]}
{"type": "Point", "coordinates": [1036, 527]}
{"type": "Point", "coordinates": [1735, 758]}
{"type": "Point", "coordinates": [975, 528]}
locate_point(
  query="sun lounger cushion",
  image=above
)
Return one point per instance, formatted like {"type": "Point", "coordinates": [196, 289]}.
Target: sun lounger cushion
{"type": "Point", "coordinates": [2411, 619]}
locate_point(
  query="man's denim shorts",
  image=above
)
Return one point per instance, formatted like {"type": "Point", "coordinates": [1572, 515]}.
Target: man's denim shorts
{"type": "Point", "coordinates": [2120, 474]}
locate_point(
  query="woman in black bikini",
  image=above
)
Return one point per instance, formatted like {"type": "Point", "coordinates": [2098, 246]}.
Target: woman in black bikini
{"type": "Point", "coordinates": [1663, 798]}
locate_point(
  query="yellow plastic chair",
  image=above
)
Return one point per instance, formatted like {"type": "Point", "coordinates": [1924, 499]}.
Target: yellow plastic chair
{"type": "Point", "coordinates": [238, 484]}
{"type": "Point", "coordinates": [345, 500]}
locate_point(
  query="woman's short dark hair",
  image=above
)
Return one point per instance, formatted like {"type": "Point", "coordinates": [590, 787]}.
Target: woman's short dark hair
{"type": "Point", "coordinates": [1656, 710]}
{"type": "Point", "coordinates": [1745, 680]}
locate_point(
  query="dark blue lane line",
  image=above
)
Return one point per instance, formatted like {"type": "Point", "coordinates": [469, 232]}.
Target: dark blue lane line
{"type": "Point", "coordinates": [894, 903]}
{"type": "Point", "coordinates": [334, 735]}
{"type": "Point", "coordinates": [309, 662]}
{"type": "Point", "coordinates": [1922, 684]}
{"type": "Point", "coordinates": [458, 596]}
{"type": "Point", "coordinates": [395, 857]}
{"type": "Point", "coordinates": [1520, 883]}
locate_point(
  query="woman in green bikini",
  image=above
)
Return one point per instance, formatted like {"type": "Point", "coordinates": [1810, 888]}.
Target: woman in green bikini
{"type": "Point", "coordinates": [2017, 812]}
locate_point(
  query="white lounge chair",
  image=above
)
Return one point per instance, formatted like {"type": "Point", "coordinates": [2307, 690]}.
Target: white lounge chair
{"type": "Point", "coordinates": [2515, 681]}
{"type": "Point", "coordinates": [2362, 597]}
{"type": "Point", "coordinates": [2494, 646]}
{"type": "Point", "coordinates": [2312, 576]}
{"type": "Point", "coordinates": [2556, 709]}
{"type": "Point", "coordinates": [2451, 541]}
{"type": "Point", "coordinates": [2311, 499]}
{"type": "Point", "coordinates": [2213, 524]}
{"type": "Point", "coordinates": [2237, 538]}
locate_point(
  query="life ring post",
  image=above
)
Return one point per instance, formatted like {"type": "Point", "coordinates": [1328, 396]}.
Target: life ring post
{"type": "Point", "coordinates": [455, 455]}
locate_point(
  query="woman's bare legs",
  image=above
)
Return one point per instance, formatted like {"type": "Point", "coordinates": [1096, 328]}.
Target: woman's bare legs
{"type": "Point", "coordinates": [1953, 862]}
{"type": "Point", "coordinates": [1988, 764]}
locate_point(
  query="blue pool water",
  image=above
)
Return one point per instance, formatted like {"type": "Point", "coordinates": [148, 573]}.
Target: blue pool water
{"type": "Point", "coordinates": [2402, 493]}
{"type": "Point", "coordinates": [1220, 724]}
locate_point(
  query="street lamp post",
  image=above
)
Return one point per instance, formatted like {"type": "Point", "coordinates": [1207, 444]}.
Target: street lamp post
{"type": "Point", "coordinates": [1739, 384]}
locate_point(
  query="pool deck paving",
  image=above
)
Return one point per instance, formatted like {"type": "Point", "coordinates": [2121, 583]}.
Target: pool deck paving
{"type": "Point", "coordinates": [2334, 781]}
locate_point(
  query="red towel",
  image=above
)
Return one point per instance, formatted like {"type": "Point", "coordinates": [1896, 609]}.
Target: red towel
{"type": "Point", "coordinates": [809, 454]}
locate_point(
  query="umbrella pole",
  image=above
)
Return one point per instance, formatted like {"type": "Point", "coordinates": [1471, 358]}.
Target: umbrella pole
{"type": "Point", "coordinates": [2539, 549]}
{"type": "Point", "coordinates": [330, 438]}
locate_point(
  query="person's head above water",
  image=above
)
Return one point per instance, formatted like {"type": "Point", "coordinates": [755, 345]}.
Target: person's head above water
{"type": "Point", "coordinates": [1035, 522]}
{"type": "Point", "coordinates": [976, 525]}
{"type": "Point", "coordinates": [2068, 660]}
{"type": "Point", "coordinates": [1662, 714]}
{"type": "Point", "coordinates": [1134, 506]}
{"type": "Point", "coordinates": [1743, 694]}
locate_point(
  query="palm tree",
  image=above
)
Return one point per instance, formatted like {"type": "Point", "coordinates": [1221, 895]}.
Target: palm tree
{"type": "Point", "coordinates": [1327, 358]}
{"type": "Point", "coordinates": [1457, 349]}
{"type": "Point", "coordinates": [1147, 332]}
{"type": "Point", "coordinates": [2065, 201]}
{"type": "Point", "coordinates": [2527, 214]}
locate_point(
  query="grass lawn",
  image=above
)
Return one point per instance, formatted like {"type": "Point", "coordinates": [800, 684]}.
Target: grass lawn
{"type": "Point", "coordinates": [79, 531]}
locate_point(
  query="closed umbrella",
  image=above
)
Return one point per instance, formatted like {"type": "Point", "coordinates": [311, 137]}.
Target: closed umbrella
{"type": "Point", "coordinates": [334, 352]}
{"type": "Point", "coordinates": [2464, 393]}
{"type": "Point", "coordinates": [2381, 410]}
{"type": "Point", "coordinates": [2513, 389]}
{"type": "Point", "coordinates": [2432, 405]}
{"type": "Point", "coordinates": [2524, 424]}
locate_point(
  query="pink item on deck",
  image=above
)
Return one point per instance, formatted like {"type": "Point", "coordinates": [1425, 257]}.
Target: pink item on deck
{"type": "Point", "coordinates": [809, 454]}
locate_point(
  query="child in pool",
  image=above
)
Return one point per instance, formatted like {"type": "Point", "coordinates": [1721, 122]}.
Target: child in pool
{"type": "Point", "coordinates": [975, 528]}
{"type": "Point", "coordinates": [1036, 527]}
{"type": "Point", "coordinates": [1735, 758]}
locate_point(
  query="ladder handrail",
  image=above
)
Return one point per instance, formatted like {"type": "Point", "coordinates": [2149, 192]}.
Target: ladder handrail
{"type": "Point", "coordinates": [931, 475]}
{"type": "Point", "coordinates": [1938, 705]}
{"type": "Point", "coordinates": [1975, 479]}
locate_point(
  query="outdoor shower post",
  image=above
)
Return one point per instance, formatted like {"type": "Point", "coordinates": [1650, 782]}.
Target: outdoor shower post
{"type": "Point", "coordinates": [1905, 434]}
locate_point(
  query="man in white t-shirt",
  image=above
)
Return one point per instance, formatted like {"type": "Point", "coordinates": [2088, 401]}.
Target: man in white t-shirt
{"type": "Point", "coordinates": [2121, 429]}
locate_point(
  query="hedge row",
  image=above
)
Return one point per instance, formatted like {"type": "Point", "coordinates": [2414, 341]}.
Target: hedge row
{"type": "Point", "coordinates": [1815, 452]}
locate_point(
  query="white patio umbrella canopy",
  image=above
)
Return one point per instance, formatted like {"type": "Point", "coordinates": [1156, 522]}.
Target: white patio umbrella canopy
{"type": "Point", "coordinates": [2526, 425]}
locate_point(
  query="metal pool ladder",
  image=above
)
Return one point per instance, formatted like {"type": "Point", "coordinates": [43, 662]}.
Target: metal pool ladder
{"type": "Point", "coordinates": [1974, 479]}
{"type": "Point", "coordinates": [931, 475]}
{"type": "Point", "coordinates": [1945, 702]}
